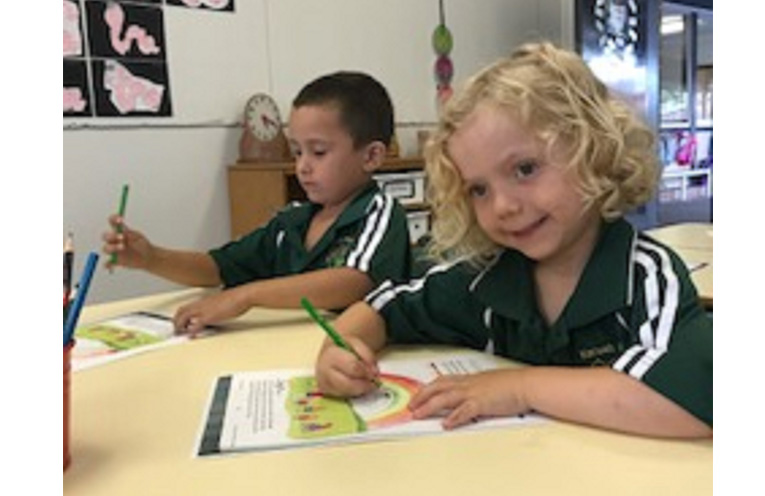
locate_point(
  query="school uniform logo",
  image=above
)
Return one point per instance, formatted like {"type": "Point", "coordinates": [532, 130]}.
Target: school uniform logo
{"type": "Point", "coordinates": [338, 253]}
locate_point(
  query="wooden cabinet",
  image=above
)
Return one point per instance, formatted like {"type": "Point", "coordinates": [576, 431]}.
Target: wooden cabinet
{"type": "Point", "coordinates": [258, 191]}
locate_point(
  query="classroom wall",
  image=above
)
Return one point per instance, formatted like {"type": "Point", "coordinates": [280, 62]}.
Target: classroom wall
{"type": "Point", "coordinates": [176, 167]}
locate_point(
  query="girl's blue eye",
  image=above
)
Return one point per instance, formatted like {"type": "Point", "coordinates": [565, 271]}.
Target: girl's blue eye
{"type": "Point", "coordinates": [525, 169]}
{"type": "Point", "coordinates": [477, 191]}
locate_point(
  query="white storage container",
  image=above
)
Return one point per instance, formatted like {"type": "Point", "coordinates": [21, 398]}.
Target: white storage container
{"type": "Point", "coordinates": [419, 224]}
{"type": "Point", "coordinates": [407, 187]}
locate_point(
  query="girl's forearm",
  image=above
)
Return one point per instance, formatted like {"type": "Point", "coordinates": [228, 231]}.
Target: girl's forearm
{"type": "Point", "coordinates": [362, 322]}
{"type": "Point", "coordinates": [606, 398]}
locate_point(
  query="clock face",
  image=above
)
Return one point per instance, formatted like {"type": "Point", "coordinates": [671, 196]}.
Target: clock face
{"type": "Point", "coordinates": [262, 117]}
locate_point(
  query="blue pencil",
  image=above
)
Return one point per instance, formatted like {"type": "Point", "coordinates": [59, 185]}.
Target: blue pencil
{"type": "Point", "coordinates": [82, 291]}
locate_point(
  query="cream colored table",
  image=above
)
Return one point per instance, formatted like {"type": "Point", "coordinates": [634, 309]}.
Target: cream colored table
{"type": "Point", "coordinates": [695, 235]}
{"type": "Point", "coordinates": [135, 425]}
{"type": "Point", "coordinates": [694, 243]}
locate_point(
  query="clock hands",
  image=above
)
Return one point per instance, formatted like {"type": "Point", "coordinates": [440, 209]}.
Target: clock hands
{"type": "Point", "coordinates": [267, 121]}
{"type": "Point", "coordinates": [263, 138]}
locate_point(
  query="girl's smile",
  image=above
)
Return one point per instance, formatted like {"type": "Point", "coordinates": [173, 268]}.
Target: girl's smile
{"type": "Point", "coordinates": [521, 197]}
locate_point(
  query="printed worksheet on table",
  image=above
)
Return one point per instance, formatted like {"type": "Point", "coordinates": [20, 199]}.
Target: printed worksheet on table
{"type": "Point", "coordinates": [280, 409]}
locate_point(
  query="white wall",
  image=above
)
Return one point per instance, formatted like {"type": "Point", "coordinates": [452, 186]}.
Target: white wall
{"type": "Point", "coordinates": [177, 168]}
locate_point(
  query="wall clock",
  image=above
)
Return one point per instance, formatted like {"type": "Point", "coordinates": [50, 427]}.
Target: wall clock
{"type": "Point", "coordinates": [263, 138]}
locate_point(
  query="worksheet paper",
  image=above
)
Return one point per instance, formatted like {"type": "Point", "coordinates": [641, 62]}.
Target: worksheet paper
{"type": "Point", "coordinates": [278, 409]}
{"type": "Point", "coordinates": [121, 337]}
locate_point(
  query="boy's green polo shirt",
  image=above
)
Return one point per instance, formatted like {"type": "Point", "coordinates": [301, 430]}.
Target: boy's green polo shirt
{"type": "Point", "coordinates": [370, 235]}
{"type": "Point", "coordinates": [634, 309]}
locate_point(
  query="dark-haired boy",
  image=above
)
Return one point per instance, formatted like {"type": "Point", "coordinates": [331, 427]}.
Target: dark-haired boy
{"type": "Point", "coordinates": [333, 249]}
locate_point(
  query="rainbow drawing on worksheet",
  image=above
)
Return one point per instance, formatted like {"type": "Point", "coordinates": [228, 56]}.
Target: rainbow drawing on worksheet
{"type": "Point", "coordinates": [312, 415]}
{"type": "Point", "coordinates": [389, 404]}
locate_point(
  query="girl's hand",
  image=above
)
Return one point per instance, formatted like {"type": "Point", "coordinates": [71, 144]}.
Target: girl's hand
{"type": "Point", "coordinates": [341, 374]}
{"type": "Point", "coordinates": [467, 397]}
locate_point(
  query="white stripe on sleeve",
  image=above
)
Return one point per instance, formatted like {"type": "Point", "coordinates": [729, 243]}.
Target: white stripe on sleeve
{"type": "Point", "coordinates": [661, 305]}
{"type": "Point", "coordinates": [668, 310]}
{"type": "Point", "coordinates": [386, 292]}
{"type": "Point", "coordinates": [652, 301]}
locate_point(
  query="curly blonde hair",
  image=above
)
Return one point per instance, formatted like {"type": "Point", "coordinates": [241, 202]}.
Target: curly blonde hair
{"type": "Point", "coordinates": [568, 109]}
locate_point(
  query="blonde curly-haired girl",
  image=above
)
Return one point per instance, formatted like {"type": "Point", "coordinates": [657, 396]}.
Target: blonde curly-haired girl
{"type": "Point", "coordinates": [531, 171]}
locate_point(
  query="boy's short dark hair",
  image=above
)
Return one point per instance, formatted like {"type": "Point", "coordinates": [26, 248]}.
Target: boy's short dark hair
{"type": "Point", "coordinates": [365, 107]}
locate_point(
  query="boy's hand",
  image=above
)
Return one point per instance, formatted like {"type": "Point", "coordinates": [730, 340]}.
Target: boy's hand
{"type": "Point", "coordinates": [467, 397]}
{"type": "Point", "coordinates": [132, 248]}
{"type": "Point", "coordinates": [227, 304]}
{"type": "Point", "coordinates": [339, 373]}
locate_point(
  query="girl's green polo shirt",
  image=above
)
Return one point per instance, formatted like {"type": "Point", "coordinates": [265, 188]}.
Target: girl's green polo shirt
{"type": "Point", "coordinates": [634, 309]}
{"type": "Point", "coordinates": [370, 235]}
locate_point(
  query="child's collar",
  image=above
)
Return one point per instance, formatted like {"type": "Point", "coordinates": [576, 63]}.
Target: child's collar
{"type": "Point", "coordinates": [507, 285]}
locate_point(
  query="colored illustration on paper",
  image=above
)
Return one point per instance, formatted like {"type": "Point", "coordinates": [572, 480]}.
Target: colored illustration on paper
{"type": "Point", "coordinates": [312, 415]}
{"type": "Point", "coordinates": [130, 93]}
{"type": "Point", "coordinates": [283, 409]}
{"type": "Point", "coordinates": [72, 29]}
{"type": "Point", "coordinates": [117, 338]}
{"type": "Point", "coordinates": [120, 334]}
{"type": "Point", "coordinates": [119, 31]}
{"type": "Point", "coordinates": [76, 89]}
{"type": "Point", "coordinates": [124, 35]}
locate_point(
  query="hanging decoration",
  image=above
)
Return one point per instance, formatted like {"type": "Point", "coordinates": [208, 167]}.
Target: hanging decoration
{"type": "Point", "coordinates": [444, 68]}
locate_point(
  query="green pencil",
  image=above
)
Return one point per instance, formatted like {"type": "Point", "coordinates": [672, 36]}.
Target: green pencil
{"type": "Point", "coordinates": [331, 332]}
{"type": "Point", "coordinates": [123, 204]}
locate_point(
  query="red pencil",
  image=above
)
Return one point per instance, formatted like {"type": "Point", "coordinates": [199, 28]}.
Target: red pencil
{"type": "Point", "coordinates": [68, 262]}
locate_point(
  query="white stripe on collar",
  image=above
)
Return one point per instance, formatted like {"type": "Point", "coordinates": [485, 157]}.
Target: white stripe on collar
{"type": "Point", "coordinates": [374, 229]}
{"type": "Point", "coordinates": [486, 269]}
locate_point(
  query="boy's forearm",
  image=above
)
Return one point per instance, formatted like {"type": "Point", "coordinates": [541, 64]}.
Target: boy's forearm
{"type": "Point", "coordinates": [184, 267]}
{"type": "Point", "coordinates": [325, 288]}
{"type": "Point", "coordinates": [606, 398]}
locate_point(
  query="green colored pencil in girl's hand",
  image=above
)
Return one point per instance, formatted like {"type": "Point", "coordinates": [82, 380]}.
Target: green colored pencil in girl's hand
{"type": "Point", "coordinates": [331, 332]}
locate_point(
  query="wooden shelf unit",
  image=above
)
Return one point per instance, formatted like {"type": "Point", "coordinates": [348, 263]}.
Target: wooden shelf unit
{"type": "Point", "coordinates": [258, 190]}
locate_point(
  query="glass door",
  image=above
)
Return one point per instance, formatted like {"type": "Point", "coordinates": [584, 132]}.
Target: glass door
{"type": "Point", "coordinates": [686, 129]}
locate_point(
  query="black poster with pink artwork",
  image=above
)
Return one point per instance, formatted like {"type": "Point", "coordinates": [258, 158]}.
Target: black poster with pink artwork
{"type": "Point", "coordinates": [128, 59]}
{"type": "Point", "coordinates": [115, 56]}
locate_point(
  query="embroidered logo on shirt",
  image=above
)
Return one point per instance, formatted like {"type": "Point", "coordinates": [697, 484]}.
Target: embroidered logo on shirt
{"type": "Point", "coordinates": [339, 251]}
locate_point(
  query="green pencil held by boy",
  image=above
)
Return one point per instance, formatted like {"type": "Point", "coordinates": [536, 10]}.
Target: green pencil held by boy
{"type": "Point", "coordinates": [121, 211]}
